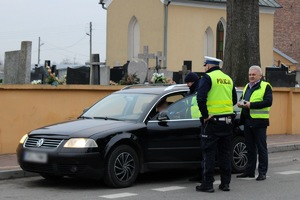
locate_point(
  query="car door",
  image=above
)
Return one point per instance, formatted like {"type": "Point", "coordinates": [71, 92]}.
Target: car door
{"type": "Point", "coordinates": [174, 141]}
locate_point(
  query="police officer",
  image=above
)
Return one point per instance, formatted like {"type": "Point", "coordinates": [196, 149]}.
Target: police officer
{"type": "Point", "coordinates": [192, 81]}
{"type": "Point", "coordinates": [216, 97]}
{"type": "Point", "coordinates": [256, 102]}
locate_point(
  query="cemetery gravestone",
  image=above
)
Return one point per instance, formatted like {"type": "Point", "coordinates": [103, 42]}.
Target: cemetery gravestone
{"type": "Point", "coordinates": [116, 73]}
{"type": "Point", "coordinates": [17, 65]}
{"type": "Point", "coordinates": [138, 67]}
{"type": "Point", "coordinates": [80, 75]}
{"type": "Point", "coordinates": [11, 67]}
{"type": "Point", "coordinates": [146, 55]}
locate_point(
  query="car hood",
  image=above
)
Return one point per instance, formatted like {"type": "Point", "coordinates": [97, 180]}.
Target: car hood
{"type": "Point", "coordinates": [82, 128]}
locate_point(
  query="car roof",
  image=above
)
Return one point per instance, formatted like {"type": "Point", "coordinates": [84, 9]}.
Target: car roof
{"type": "Point", "coordinates": [156, 89]}
{"type": "Point", "coordinates": [153, 89]}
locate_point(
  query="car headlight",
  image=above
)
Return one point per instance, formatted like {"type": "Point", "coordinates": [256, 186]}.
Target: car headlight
{"type": "Point", "coordinates": [80, 143]}
{"type": "Point", "coordinates": [23, 138]}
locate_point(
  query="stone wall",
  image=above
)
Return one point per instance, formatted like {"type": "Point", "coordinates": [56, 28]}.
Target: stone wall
{"type": "Point", "coordinates": [27, 107]}
{"type": "Point", "coordinates": [286, 28]}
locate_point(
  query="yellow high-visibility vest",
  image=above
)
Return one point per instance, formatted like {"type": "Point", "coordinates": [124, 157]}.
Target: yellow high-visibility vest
{"type": "Point", "coordinates": [219, 99]}
{"type": "Point", "coordinates": [256, 96]}
{"type": "Point", "coordinates": [195, 112]}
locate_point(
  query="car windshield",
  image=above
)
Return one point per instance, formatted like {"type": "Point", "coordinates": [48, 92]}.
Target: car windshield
{"type": "Point", "coordinates": [120, 107]}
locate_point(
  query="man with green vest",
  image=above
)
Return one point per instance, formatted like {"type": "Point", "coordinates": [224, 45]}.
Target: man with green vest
{"type": "Point", "coordinates": [216, 97]}
{"type": "Point", "coordinates": [192, 81]}
{"type": "Point", "coordinates": [255, 103]}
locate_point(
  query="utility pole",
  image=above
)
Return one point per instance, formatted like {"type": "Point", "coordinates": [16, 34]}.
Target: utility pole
{"type": "Point", "coordinates": [91, 66]}
{"type": "Point", "coordinates": [39, 51]}
{"type": "Point", "coordinates": [38, 64]}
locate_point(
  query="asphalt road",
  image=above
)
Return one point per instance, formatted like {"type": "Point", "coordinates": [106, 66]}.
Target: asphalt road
{"type": "Point", "coordinates": [283, 182]}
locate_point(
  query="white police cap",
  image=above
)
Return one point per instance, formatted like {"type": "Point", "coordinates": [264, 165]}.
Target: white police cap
{"type": "Point", "coordinates": [212, 60]}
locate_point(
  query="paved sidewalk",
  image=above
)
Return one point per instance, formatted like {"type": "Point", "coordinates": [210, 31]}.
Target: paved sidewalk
{"type": "Point", "coordinates": [9, 167]}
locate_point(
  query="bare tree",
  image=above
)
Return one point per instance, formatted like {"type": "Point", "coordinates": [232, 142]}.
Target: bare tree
{"type": "Point", "coordinates": [242, 39]}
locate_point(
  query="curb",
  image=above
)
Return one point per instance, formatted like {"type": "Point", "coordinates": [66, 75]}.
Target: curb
{"type": "Point", "coordinates": [282, 148]}
{"type": "Point", "coordinates": [15, 173]}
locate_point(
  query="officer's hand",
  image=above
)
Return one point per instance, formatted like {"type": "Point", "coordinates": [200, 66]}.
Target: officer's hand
{"type": "Point", "coordinates": [205, 120]}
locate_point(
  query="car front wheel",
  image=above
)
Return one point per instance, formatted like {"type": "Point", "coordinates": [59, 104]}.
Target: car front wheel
{"type": "Point", "coordinates": [239, 158]}
{"type": "Point", "coordinates": [122, 167]}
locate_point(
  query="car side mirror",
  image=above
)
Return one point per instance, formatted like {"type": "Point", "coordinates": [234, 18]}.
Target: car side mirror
{"type": "Point", "coordinates": [162, 116]}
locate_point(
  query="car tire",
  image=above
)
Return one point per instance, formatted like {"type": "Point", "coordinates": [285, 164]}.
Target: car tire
{"type": "Point", "coordinates": [122, 167]}
{"type": "Point", "coordinates": [239, 155]}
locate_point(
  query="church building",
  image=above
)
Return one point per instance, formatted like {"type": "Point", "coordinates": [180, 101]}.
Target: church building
{"type": "Point", "coordinates": [182, 30]}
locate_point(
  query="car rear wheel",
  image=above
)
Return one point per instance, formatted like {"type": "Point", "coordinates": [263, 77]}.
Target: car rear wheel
{"type": "Point", "coordinates": [239, 152]}
{"type": "Point", "coordinates": [122, 167]}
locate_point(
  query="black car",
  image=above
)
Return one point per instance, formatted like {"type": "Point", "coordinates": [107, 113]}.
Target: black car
{"type": "Point", "coordinates": [121, 136]}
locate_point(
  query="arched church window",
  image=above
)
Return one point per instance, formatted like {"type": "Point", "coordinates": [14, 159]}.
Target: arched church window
{"type": "Point", "coordinates": [133, 38]}
{"type": "Point", "coordinates": [208, 42]}
{"type": "Point", "coordinates": [220, 41]}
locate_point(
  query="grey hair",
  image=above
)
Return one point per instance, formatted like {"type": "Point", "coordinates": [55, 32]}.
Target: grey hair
{"type": "Point", "coordinates": [257, 68]}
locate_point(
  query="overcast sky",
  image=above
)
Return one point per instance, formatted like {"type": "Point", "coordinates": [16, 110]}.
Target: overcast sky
{"type": "Point", "coordinates": [62, 26]}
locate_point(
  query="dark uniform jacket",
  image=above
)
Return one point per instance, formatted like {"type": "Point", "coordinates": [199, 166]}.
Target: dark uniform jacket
{"type": "Point", "coordinates": [194, 87]}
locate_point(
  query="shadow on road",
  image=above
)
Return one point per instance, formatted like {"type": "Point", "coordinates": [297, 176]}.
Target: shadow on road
{"type": "Point", "coordinates": [155, 177]}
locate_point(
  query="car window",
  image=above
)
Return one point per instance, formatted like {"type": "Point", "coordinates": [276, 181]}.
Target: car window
{"type": "Point", "coordinates": [169, 99]}
{"type": "Point", "coordinates": [120, 106]}
{"type": "Point", "coordinates": [181, 109]}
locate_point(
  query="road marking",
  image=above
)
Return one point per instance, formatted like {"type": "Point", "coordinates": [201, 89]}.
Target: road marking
{"type": "Point", "coordinates": [217, 182]}
{"type": "Point", "coordinates": [289, 172]}
{"type": "Point", "coordinates": [250, 179]}
{"type": "Point", "coordinates": [119, 195]}
{"type": "Point", "coordinates": [166, 189]}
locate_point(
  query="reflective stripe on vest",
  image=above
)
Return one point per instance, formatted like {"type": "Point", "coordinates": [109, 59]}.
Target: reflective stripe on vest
{"type": "Point", "coordinates": [219, 98]}
{"type": "Point", "coordinates": [256, 96]}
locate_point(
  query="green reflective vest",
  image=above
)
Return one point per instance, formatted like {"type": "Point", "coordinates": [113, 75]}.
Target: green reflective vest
{"type": "Point", "coordinates": [195, 112]}
{"type": "Point", "coordinates": [219, 98]}
{"type": "Point", "coordinates": [256, 96]}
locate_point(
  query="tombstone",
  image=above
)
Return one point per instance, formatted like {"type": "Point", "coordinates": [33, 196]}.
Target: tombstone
{"type": "Point", "coordinates": [11, 67]}
{"type": "Point", "coordinates": [138, 67]}
{"type": "Point", "coordinates": [146, 55]}
{"type": "Point", "coordinates": [78, 75]}
{"type": "Point", "coordinates": [37, 74]}
{"type": "Point", "coordinates": [104, 75]}
{"type": "Point", "coordinates": [188, 64]}
{"type": "Point", "coordinates": [17, 67]}
{"type": "Point", "coordinates": [116, 73]}
{"type": "Point", "coordinates": [184, 72]}
{"type": "Point", "coordinates": [95, 70]}
{"type": "Point", "coordinates": [177, 77]}
{"type": "Point", "coordinates": [280, 77]}
{"type": "Point", "coordinates": [158, 60]}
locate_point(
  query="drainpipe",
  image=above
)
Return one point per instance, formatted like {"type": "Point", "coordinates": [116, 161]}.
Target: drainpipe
{"type": "Point", "coordinates": [166, 34]}
{"type": "Point", "coordinates": [103, 4]}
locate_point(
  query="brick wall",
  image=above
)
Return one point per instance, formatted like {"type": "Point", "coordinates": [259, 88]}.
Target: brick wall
{"type": "Point", "coordinates": [287, 28]}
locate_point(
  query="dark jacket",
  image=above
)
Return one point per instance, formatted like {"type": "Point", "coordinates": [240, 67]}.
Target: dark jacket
{"type": "Point", "coordinates": [194, 88]}
{"type": "Point", "coordinates": [266, 102]}
{"type": "Point", "coordinates": [204, 87]}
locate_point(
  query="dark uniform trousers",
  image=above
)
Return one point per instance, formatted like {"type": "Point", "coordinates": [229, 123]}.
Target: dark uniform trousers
{"type": "Point", "coordinates": [216, 138]}
{"type": "Point", "coordinates": [256, 142]}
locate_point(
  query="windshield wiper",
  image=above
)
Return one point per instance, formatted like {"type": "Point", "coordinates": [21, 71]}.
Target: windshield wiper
{"type": "Point", "coordinates": [84, 117]}
{"type": "Point", "coordinates": [107, 118]}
